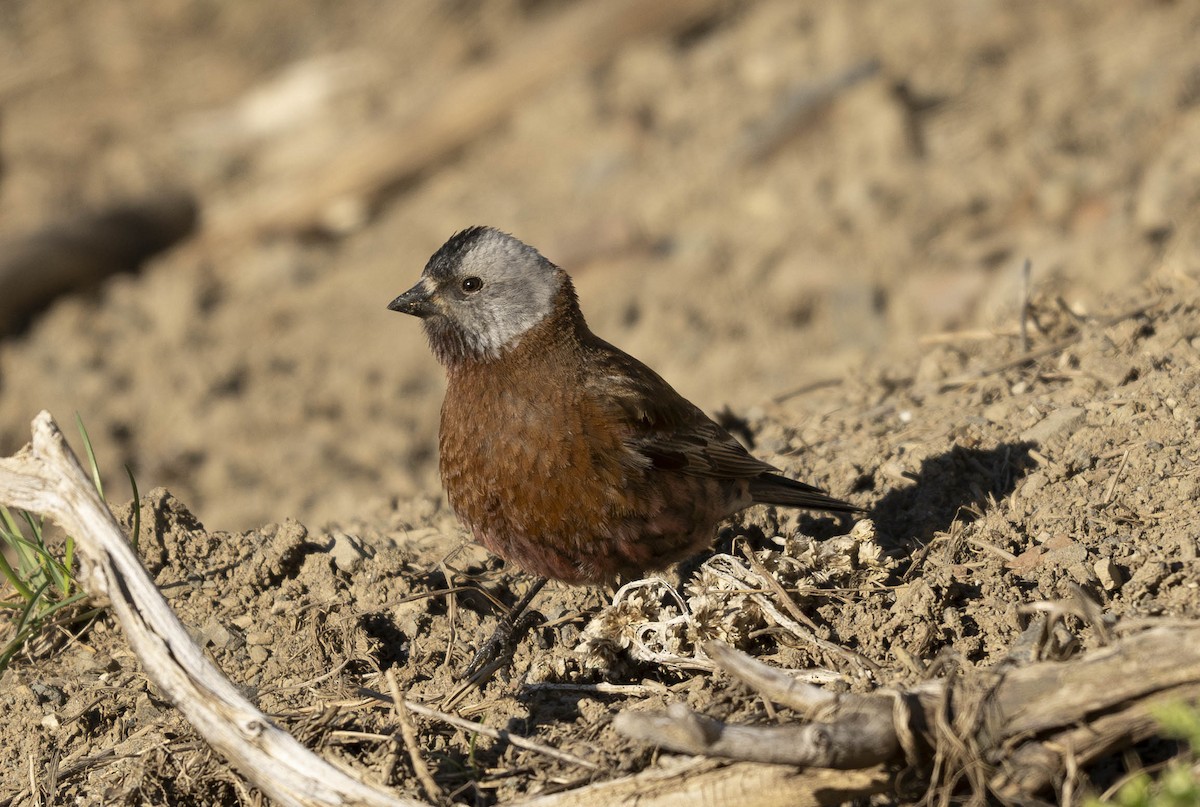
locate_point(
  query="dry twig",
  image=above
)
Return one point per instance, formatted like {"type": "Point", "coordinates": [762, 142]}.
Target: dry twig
{"type": "Point", "coordinates": [856, 731]}
{"type": "Point", "coordinates": [409, 732]}
{"type": "Point", "coordinates": [500, 734]}
{"type": "Point", "coordinates": [1010, 730]}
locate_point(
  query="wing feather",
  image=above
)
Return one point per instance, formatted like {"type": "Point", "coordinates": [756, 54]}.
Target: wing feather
{"type": "Point", "coordinates": [662, 425]}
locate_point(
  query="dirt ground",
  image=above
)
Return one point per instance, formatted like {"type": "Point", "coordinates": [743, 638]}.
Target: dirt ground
{"type": "Point", "coordinates": [845, 286]}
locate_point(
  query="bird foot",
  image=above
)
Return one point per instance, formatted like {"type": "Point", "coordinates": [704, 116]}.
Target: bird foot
{"type": "Point", "coordinates": [498, 650]}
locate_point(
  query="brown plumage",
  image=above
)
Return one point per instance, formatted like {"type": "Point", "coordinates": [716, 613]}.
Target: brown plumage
{"type": "Point", "coordinates": [561, 453]}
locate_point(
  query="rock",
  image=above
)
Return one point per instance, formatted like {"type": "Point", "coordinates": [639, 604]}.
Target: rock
{"type": "Point", "coordinates": [1111, 371]}
{"type": "Point", "coordinates": [216, 634]}
{"type": "Point", "coordinates": [258, 638]}
{"type": "Point", "coordinates": [1109, 574]}
{"type": "Point", "coordinates": [1058, 421]}
{"type": "Point", "coordinates": [1025, 563]}
{"type": "Point", "coordinates": [347, 551]}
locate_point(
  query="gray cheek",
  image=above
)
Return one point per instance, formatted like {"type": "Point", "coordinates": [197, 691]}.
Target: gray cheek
{"type": "Point", "coordinates": [481, 330]}
{"type": "Point", "coordinates": [500, 328]}
{"type": "Point", "coordinates": [506, 318]}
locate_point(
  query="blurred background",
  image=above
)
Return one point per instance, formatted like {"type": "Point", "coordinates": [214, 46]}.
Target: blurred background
{"type": "Point", "coordinates": [205, 206]}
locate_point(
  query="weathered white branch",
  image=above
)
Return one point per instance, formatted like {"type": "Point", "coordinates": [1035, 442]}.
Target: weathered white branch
{"type": "Point", "coordinates": [1016, 728]}
{"type": "Point", "coordinates": [847, 731]}
{"type": "Point", "coordinates": [855, 740]}
{"type": "Point", "coordinates": [775, 684]}
{"type": "Point", "coordinates": [47, 478]}
{"type": "Point", "coordinates": [701, 782]}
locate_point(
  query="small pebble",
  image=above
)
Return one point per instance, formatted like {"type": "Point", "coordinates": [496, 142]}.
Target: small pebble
{"type": "Point", "coordinates": [258, 637]}
{"type": "Point", "coordinates": [1109, 574]}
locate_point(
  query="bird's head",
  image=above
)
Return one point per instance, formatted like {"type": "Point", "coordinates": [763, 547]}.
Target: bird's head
{"type": "Point", "coordinates": [480, 293]}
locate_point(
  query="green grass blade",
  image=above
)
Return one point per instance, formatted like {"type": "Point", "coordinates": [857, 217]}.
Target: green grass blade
{"type": "Point", "coordinates": [35, 526]}
{"type": "Point", "coordinates": [29, 616]}
{"type": "Point", "coordinates": [61, 604]}
{"type": "Point", "coordinates": [9, 522]}
{"type": "Point", "coordinates": [27, 551]}
{"type": "Point", "coordinates": [91, 455]}
{"type": "Point", "coordinates": [25, 592]}
{"type": "Point", "coordinates": [36, 547]}
{"type": "Point", "coordinates": [43, 577]}
{"type": "Point", "coordinates": [136, 534]}
{"type": "Point", "coordinates": [12, 648]}
{"type": "Point", "coordinates": [68, 566]}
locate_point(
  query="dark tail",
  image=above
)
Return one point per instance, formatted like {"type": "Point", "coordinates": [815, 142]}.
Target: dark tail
{"type": "Point", "coordinates": [774, 489]}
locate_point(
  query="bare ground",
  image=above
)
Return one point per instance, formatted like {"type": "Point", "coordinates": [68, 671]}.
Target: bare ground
{"type": "Point", "coordinates": [850, 292]}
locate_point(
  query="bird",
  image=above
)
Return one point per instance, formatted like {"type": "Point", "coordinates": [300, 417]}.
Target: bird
{"type": "Point", "coordinates": [559, 452]}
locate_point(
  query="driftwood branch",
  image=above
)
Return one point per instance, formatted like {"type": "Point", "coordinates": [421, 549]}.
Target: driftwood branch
{"type": "Point", "coordinates": [1023, 726]}
{"type": "Point", "coordinates": [837, 745]}
{"type": "Point", "coordinates": [47, 478]}
{"type": "Point", "coordinates": [699, 781]}
{"type": "Point", "coordinates": [1076, 711]}
{"type": "Point", "coordinates": [846, 731]}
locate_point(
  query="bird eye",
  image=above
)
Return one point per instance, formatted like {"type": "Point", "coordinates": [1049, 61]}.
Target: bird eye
{"type": "Point", "coordinates": [472, 284]}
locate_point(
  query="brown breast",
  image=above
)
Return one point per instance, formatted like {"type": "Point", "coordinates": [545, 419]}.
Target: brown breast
{"type": "Point", "coordinates": [536, 469]}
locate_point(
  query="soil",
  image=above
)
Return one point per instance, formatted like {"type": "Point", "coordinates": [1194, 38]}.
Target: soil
{"type": "Point", "coordinates": [849, 296]}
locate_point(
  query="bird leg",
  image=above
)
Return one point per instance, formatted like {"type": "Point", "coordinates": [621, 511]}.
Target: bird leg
{"type": "Point", "coordinates": [499, 649]}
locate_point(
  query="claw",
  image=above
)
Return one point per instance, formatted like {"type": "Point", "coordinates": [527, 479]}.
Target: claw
{"type": "Point", "coordinates": [498, 650]}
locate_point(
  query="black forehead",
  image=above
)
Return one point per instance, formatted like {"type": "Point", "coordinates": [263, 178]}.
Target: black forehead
{"type": "Point", "coordinates": [450, 255]}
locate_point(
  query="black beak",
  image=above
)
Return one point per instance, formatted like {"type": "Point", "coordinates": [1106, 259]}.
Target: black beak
{"type": "Point", "coordinates": [416, 301]}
